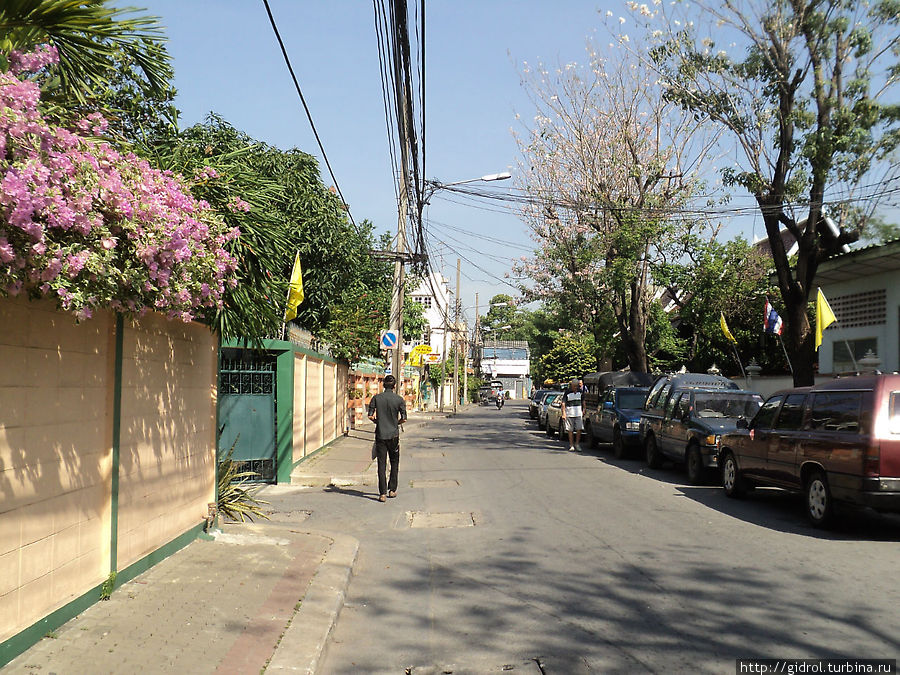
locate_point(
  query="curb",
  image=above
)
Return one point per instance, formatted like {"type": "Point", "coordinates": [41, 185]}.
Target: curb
{"type": "Point", "coordinates": [303, 643]}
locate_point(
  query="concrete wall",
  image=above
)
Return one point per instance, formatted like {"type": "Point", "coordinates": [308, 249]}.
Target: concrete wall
{"type": "Point", "coordinates": [168, 440]}
{"type": "Point", "coordinates": [320, 403]}
{"type": "Point", "coordinates": [57, 392]}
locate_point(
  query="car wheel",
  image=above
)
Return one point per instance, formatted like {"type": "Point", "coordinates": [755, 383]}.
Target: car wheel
{"type": "Point", "coordinates": [548, 429]}
{"type": "Point", "coordinates": [654, 459]}
{"type": "Point", "coordinates": [540, 426]}
{"type": "Point", "coordinates": [819, 506]}
{"type": "Point", "coordinates": [694, 461]}
{"type": "Point", "coordinates": [732, 482]}
{"type": "Point", "coordinates": [618, 444]}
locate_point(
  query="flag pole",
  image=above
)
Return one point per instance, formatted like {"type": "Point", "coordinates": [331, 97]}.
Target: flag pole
{"type": "Point", "coordinates": [787, 358]}
{"type": "Point", "coordinates": [833, 316]}
{"type": "Point", "coordinates": [738, 357]}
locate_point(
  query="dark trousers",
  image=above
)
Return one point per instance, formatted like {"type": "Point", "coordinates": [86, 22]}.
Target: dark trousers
{"type": "Point", "coordinates": [384, 448]}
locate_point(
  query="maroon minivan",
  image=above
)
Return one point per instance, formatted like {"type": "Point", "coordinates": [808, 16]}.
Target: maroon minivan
{"type": "Point", "coordinates": [836, 441]}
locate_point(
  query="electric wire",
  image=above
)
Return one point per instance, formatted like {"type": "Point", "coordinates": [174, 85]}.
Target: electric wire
{"type": "Point", "coordinates": [312, 124]}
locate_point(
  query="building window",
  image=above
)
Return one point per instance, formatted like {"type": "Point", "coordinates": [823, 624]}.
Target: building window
{"type": "Point", "coordinates": [841, 361]}
{"type": "Point", "coordinates": [424, 300]}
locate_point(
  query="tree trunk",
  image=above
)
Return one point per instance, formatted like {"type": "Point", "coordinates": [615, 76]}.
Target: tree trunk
{"type": "Point", "coordinates": [800, 343]}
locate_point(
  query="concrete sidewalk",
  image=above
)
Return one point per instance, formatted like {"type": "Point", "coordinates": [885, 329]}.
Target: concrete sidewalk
{"type": "Point", "coordinates": [253, 597]}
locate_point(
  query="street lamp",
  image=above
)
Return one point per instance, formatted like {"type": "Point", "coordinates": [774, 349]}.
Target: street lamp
{"type": "Point", "coordinates": [434, 185]}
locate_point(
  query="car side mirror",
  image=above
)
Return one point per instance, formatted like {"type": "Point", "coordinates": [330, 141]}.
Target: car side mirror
{"type": "Point", "coordinates": [742, 423]}
{"type": "Point", "coordinates": [607, 405]}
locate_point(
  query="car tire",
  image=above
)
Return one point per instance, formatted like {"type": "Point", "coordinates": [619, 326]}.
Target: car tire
{"type": "Point", "coordinates": [618, 444]}
{"type": "Point", "coordinates": [548, 429]}
{"type": "Point", "coordinates": [654, 459]}
{"type": "Point", "coordinates": [733, 483]}
{"type": "Point", "coordinates": [819, 505]}
{"type": "Point", "coordinates": [541, 427]}
{"type": "Point", "coordinates": [693, 462]}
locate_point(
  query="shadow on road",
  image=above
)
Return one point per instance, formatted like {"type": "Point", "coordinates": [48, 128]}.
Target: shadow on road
{"type": "Point", "coordinates": [350, 492]}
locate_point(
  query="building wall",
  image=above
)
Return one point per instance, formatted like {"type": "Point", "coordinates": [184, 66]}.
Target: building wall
{"type": "Point", "coordinates": [57, 397]}
{"type": "Point", "coordinates": [887, 334]}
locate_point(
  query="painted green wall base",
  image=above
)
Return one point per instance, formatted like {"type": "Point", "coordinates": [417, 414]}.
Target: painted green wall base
{"type": "Point", "coordinates": [25, 639]}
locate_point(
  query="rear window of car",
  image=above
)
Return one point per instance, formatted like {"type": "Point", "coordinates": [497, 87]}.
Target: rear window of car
{"type": "Point", "coordinates": [766, 414]}
{"type": "Point", "coordinates": [835, 411]}
{"type": "Point", "coordinates": [631, 400]}
{"type": "Point", "coordinates": [791, 416]}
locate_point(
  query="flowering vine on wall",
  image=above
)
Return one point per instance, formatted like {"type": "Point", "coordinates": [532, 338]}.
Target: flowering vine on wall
{"type": "Point", "coordinates": [95, 228]}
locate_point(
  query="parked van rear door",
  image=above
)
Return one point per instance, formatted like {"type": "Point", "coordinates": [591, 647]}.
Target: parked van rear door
{"type": "Point", "coordinates": [835, 440]}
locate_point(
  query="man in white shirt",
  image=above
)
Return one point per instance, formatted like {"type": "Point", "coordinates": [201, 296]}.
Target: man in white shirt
{"type": "Point", "coordinates": [572, 414]}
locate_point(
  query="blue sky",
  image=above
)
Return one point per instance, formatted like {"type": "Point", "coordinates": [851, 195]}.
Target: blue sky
{"type": "Point", "coordinates": [227, 60]}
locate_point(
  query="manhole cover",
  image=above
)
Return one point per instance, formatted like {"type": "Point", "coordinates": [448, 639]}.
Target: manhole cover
{"type": "Point", "coordinates": [426, 519]}
{"type": "Point", "coordinates": [434, 483]}
{"type": "Point", "coordinates": [427, 455]}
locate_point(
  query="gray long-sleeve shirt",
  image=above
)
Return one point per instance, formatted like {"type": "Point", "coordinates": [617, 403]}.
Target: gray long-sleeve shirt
{"type": "Point", "coordinates": [389, 409]}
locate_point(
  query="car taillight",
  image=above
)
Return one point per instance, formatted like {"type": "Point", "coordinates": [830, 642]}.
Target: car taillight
{"type": "Point", "coordinates": [872, 462]}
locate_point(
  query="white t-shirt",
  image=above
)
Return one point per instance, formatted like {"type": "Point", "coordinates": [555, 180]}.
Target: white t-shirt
{"type": "Point", "coordinates": [572, 401]}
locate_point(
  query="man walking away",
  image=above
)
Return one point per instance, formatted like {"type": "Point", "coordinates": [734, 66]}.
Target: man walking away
{"type": "Point", "coordinates": [388, 411]}
{"type": "Point", "coordinates": [572, 414]}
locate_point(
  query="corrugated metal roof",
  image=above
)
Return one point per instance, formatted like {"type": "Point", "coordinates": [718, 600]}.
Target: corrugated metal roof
{"type": "Point", "coordinates": [865, 261]}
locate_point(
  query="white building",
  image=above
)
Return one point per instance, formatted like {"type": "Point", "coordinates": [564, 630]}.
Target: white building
{"type": "Point", "coordinates": [863, 289]}
{"type": "Point", "coordinates": [510, 362]}
{"type": "Point", "coordinates": [437, 303]}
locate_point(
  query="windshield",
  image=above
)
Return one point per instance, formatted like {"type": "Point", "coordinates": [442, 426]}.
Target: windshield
{"type": "Point", "coordinates": [631, 400]}
{"type": "Point", "coordinates": [549, 398]}
{"type": "Point", "coordinates": [727, 404]}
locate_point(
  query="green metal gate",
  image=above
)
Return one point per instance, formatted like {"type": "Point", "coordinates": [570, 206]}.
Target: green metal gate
{"type": "Point", "coordinates": [247, 410]}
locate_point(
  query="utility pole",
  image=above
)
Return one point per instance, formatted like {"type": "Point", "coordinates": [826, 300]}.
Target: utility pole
{"type": "Point", "coordinates": [396, 322]}
{"type": "Point", "coordinates": [444, 348]}
{"type": "Point", "coordinates": [456, 345]}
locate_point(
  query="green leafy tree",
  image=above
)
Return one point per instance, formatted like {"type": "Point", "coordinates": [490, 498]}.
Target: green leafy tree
{"type": "Point", "coordinates": [805, 91]}
{"type": "Point", "coordinates": [714, 278]}
{"type": "Point", "coordinates": [89, 36]}
{"type": "Point", "coordinates": [570, 357]}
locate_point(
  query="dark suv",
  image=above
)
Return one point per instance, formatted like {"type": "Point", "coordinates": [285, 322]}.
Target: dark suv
{"type": "Point", "coordinates": [694, 420]}
{"type": "Point", "coordinates": [658, 426]}
{"type": "Point", "coordinates": [617, 419]}
{"type": "Point", "coordinates": [837, 441]}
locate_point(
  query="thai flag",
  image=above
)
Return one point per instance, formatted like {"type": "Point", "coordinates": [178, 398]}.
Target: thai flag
{"type": "Point", "coordinates": [772, 323]}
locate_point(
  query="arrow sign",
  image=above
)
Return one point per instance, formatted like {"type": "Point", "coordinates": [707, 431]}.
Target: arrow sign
{"type": "Point", "coordinates": [388, 339]}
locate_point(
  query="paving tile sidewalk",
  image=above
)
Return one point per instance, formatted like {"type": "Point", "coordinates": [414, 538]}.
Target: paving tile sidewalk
{"type": "Point", "coordinates": [218, 606]}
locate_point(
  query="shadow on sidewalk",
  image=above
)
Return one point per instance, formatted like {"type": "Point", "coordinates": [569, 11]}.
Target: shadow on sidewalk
{"type": "Point", "coordinates": [350, 492]}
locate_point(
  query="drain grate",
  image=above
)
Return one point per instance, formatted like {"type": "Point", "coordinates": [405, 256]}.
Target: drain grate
{"type": "Point", "coordinates": [422, 519]}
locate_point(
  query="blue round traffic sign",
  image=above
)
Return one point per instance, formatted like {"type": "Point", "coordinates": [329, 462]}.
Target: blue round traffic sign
{"type": "Point", "coordinates": [388, 339]}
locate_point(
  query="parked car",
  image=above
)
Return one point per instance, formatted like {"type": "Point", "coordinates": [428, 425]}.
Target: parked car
{"type": "Point", "coordinates": [617, 419]}
{"type": "Point", "coordinates": [838, 441]}
{"type": "Point", "coordinates": [693, 423]}
{"type": "Point", "coordinates": [546, 400]}
{"type": "Point", "coordinates": [658, 408]}
{"type": "Point", "coordinates": [535, 403]}
{"type": "Point", "coordinates": [553, 421]}
{"type": "Point", "coordinates": [597, 385]}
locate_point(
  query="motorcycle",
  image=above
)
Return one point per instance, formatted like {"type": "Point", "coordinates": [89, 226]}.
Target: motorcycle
{"type": "Point", "coordinates": [499, 402]}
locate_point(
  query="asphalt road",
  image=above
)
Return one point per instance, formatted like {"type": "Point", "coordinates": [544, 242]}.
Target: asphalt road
{"type": "Point", "coordinates": [583, 563]}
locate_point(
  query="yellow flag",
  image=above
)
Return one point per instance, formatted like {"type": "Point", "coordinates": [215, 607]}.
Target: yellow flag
{"type": "Point", "coordinates": [824, 317]}
{"type": "Point", "coordinates": [725, 328]}
{"type": "Point", "coordinates": [295, 290]}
